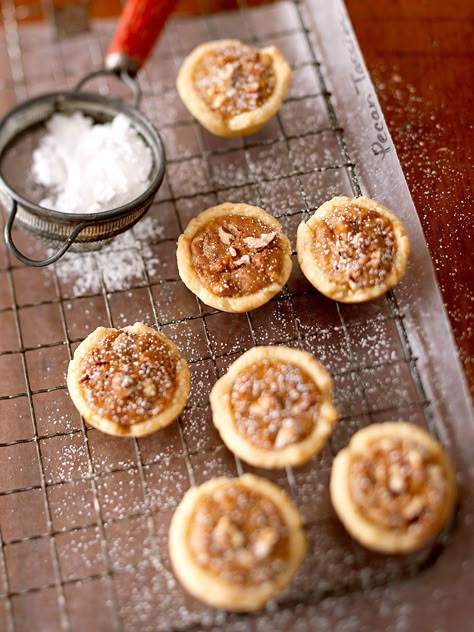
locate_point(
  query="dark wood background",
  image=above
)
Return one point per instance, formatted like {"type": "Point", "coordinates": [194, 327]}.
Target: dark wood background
{"type": "Point", "coordinates": [420, 56]}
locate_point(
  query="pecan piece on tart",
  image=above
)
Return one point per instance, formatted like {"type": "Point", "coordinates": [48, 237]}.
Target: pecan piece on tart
{"type": "Point", "coordinates": [393, 487]}
{"type": "Point", "coordinates": [352, 250]}
{"type": "Point", "coordinates": [128, 382]}
{"type": "Point", "coordinates": [235, 543]}
{"type": "Point", "coordinates": [234, 257]}
{"type": "Point", "coordinates": [232, 88]}
{"type": "Point", "coordinates": [274, 406]}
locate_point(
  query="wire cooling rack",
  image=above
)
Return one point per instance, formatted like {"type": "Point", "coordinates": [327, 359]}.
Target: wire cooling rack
{"type": "Point", "coordinates": [84, 516]}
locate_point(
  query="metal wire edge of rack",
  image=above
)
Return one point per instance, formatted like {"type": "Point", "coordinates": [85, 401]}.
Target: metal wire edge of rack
{"type": "Point", "coordinates": [311, 596]}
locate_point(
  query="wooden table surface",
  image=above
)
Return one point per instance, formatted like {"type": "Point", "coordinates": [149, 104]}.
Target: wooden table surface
{"type": "Point", "coordinates": [420, 57]}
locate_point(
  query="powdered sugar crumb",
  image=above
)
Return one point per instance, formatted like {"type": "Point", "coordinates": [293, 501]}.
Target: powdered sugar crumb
{"type": "Point", "coordinates": [118, 265]}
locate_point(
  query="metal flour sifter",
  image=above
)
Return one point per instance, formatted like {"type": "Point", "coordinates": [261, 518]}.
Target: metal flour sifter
{"type": "Point", "coordinates": [21, 128]}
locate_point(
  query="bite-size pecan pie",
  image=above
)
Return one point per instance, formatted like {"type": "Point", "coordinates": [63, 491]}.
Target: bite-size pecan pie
{"type": "Point", "coordinates": [234, 257]}
{"type": "Point", "coordinates": [128, 382]}
{"type": "Point", "coordinates": [274, 406]}
{"type": "Point", "coordinates": [393, 487]}
{"type": "Point", "coordinates": [236, 542]}
{"type": "Point", "coordinates": [232, 88]}
{"type": "Point", "coordinates": [352, 250]}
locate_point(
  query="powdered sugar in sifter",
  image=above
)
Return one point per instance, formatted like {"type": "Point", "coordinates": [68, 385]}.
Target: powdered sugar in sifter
{"type": "Point", "coordinates": [20, 129]}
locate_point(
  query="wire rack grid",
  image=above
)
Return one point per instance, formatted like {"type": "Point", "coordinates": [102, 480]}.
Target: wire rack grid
{"type": "Point", "coordinates": [85, 516]}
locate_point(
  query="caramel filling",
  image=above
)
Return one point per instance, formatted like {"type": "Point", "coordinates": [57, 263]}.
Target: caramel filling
{"type": "Point", "coordinates": [275, 404]}
{"type": "Point", "coordinates": [235, 79]}
{"type": "Point", "coordinates": [239, 535]}
{"type": "Point", "coordinates": [355, 247]}
{"type": "Point", "coordinates": [130, 377]}
{"type": "Point", "coordinates": [237, 255]}
{"type": "Point", "coordinates": [399, 485]}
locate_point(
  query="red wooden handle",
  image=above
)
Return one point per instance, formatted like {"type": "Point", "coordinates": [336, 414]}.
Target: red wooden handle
{"type": "Point", "coordinates": [140, 24]}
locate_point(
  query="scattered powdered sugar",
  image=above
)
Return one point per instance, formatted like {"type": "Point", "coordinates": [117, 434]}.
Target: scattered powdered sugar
{"type": "Point", "coordinates": [423, 130]}
{"type": "Point", "coordinates": [64, 458]}
{"type": "Point", "coordinates": [91, 167]}
{"type": "Point", "coordinates": [118, 265]}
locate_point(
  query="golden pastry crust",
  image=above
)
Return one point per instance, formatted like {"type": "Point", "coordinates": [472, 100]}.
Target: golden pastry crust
{"type": "Point", "coordinates": [352, 250]}
{"type": "Point", "coordinates": [232, 556]}
{"type": "Point", "coordinates": [128, 382]}
{"type": "Point", "coordinates": [211, 113]}
{"type": "Point", "coordinates": [227, 269]}
{"type": "Point", "coordinates": [257, 414]}
{"type": "Point", "coordinates": [393, 487]}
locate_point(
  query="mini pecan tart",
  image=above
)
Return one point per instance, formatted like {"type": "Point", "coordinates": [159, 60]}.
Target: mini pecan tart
{"type": "Point", "coordinates": [231, 88]}
{"type": "Point", "coordinates": [234, 257]}
{"type": "Point", "coordinates": [236, 542]}
{"type": "Point", "coordinates": [128, 382]}
{"type": "Point", "coordinates": [352, 250]}
{"type": "Point", "coordinates": [274, 406]}
{"type": "Point", "coordinates": [393, 487]}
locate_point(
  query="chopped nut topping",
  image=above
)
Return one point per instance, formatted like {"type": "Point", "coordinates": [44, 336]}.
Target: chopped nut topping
{"type": "Point", "coordinates": [260, 242]}
{"type": "Point", "coordinates": [234, 79]}
{"type": "Point", "coordinates": [239, 535]}
{"type": "Point", "coordinates": [130, 377]}
{"type": "Point", "coordinates": [149, 389]}
{"type": "Point", "coordinates": [275, 404]}
{"type": "Point", "coordinates": [236, 257]}
{"type": "Point", "coordinates": [251, 87]}
{"type": "Point", "coordinates": [398, 484]}
{"type": "Point", "coordinates": [227, 534]}
{"type": "Point", "coordinates": [233, 229]}
{"type": "Point", "coordinates": [242, 261]}
{"type": "Point", "coordinates": [264, 543]}
{"type": "Point", "coordinates": [227, 71]}
{"type": "Point", "coordinates": [224, 235]}
{"type": "Point", "coordinates": [122, 386]}
{"type": "Point", "coordinates": [288, 434]}
{"type": "Point", "coordinates": [355, 246]}
{"type": "Point", "coordinates": [414, 508]}
{"type": "Point", "coordinates": [218, 101]}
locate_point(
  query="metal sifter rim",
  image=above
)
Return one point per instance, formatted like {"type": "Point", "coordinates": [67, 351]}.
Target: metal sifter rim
{"type": "Point", "coordinates": [74, 100]}
{"type": "Point", "coordinates": [139, 25]}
